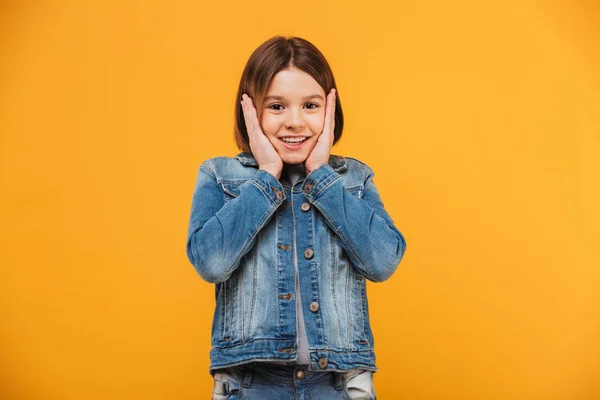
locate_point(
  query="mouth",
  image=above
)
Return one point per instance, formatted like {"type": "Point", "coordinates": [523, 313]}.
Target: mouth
{"type": "Point", "coordinates": [294, 142]}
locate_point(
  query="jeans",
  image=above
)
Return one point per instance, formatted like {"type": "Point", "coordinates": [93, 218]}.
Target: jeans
{"type": "Point", "coordinates": [274, 382]}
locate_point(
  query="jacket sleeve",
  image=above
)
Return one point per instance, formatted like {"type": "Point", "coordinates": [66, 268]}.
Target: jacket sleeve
{"type": "Point", "coordinates": [220, 233]}
{"type": "Point", "coordinates": [373, 243]}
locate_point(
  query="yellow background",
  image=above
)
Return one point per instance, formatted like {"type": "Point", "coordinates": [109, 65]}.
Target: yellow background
{"type": "Point", "coordinates": [480, 119]}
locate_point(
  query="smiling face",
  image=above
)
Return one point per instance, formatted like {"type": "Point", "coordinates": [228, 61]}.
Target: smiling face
{"type": "Point", "coordinates": [293, 114]}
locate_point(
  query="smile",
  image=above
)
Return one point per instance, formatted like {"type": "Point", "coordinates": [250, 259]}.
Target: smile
{"type": "Point", "coordinates": [294, 140]}
{"type": "Point", "coordinates": [294, 143]}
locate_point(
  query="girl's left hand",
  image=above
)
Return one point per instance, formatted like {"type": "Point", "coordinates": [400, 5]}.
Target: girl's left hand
{"type": "Point", "coordinates": [320, 153]}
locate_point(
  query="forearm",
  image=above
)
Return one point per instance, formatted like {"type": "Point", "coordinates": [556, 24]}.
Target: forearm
{"type": "Point", "coordinates": [373, 243]}
{"type": "Point", "coordinates": [219, 235]}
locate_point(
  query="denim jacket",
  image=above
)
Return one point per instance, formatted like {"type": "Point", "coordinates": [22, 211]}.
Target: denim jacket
{"type": "Point", "coordinates": [249, 233]}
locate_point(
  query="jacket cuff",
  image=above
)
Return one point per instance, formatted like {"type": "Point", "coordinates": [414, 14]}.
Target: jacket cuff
{"type": "Point", "coordinates": [318, 180]}
{"type": "Point", "coordinates": [270, 186]}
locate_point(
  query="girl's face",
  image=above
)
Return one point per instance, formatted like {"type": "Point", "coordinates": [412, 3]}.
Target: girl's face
{"type": "Point", "coordinates": [293, 114]}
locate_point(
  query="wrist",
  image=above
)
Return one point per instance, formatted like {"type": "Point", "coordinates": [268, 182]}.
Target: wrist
{"type": "Point", "coordinates": [272, 171]}
{"type": "Point", "coordinates": [311, 168]}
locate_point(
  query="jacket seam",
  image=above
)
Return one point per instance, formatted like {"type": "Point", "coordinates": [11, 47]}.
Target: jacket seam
{"type": "Point", "coordinates": [254, 278]}
{"type": "Point", "coordinates": [262, 190]}
{"type": "Point", "coordinates": [205, 165]}
{"type": "Point", "coordinates": [327, 185]}
{"type": "Point", "coordinates": [332, 277]}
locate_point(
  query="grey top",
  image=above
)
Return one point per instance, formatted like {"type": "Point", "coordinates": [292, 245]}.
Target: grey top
{"type": "Point", "coordinates": [292, 174]}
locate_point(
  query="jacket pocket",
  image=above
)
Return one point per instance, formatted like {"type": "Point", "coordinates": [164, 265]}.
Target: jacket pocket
{"type": "Point", "coordinates": [356, 190]}
{"type": "Point", "coordinates": [230, 189]}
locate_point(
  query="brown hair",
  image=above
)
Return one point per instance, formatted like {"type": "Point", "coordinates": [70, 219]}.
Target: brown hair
{"type": "Point", "coordinates": [277, 53]}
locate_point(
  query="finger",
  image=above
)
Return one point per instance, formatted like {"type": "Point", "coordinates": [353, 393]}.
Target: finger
{"type": "Point", "coordinates": [327, 126]}
{"type": "Point", "coordinates": [243, 102]}
{"type": "Point", "coordinates": [254, 116]}
{"type": "Point", "coordinates": [332, 106]}
{"type": "Point", "coordinates": [332, 114]}
{"type": "Point", "coordinates": [247, 117]}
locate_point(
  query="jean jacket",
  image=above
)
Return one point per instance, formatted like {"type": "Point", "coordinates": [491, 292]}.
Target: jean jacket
{"type": "Point", "coordinates": [249, 233]}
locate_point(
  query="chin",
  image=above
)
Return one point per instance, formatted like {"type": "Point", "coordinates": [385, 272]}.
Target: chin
{"type": "Point", "coordinates": [293, 159]}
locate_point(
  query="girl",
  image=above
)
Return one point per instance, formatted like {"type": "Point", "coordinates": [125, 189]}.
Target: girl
{"type": "Point", "coordinates": [289, 233]}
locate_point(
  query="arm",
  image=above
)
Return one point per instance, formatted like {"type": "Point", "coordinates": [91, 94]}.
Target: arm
{"type": "Point", "coordinates": [373, 244]}
{"type": "Point", "coordinates": [219, 232]}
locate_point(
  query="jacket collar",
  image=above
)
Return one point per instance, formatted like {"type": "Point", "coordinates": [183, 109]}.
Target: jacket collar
{"type": "Point", "coordinates": [338, 163]}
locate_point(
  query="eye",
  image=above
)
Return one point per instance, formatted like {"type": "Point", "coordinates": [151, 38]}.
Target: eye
{"type": "Point", "coordinates": [275, 105]}
{"type": "Point", "coordinates": [314, 104]}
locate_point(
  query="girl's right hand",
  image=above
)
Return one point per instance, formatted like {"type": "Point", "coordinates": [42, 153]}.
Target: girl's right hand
{"type": "Point", "coordinates": [263, 151]}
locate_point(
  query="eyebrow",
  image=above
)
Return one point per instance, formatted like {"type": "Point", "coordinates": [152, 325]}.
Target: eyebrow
{"type": "Point", "coordinates": [275, 97]}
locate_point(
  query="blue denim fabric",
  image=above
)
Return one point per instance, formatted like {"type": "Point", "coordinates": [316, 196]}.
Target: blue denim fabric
{"type": "Point", "coordinates": [268, 382]}
{"type": "Point", "coordinates": [246, 232]}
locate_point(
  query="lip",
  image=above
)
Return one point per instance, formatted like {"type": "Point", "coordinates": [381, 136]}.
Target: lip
{"type": "Point", "coordinates": [298, 147]}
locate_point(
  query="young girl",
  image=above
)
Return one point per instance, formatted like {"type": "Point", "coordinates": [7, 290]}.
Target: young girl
{"type": "Point", "coordinates": [289, 233]}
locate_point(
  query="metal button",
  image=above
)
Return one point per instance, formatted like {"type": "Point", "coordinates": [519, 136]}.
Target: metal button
{"type": "Point", "coordinates": [299, 374]}
{"type": "Point", "coordinates": [309, 253]}
{"type": "Point", "coordinates": [314, 306]}
{"type": "Point", "coordinates": [308, 187]}
{"type": "Point", "coordinates": [305, 206]}
{"type": "Point", "coordinates": [278, 194]}
{"type": "Point", "coordinates": [322, 362]}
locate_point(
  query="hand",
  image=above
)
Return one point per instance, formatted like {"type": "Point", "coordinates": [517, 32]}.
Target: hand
{"type": "Point", "coordinates": [320, 153]}
{"type": "Point", "coordinates": [263, 151]}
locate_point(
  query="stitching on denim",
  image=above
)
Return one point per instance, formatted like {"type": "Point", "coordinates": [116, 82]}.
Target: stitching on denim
{"type": "Point", "coordinates": [262, 190]}
{"type": "Point", "coordinates": [225, 308]}
{"type": "Point", "coordinates": [227, 190]}
{"type": "Point", "coordinates": [254, 280]}
{"type": "Point", "coordinates": [316, 280]}
{"type": "Point", "coordinates": [280, 325]}
{"type": "Point", "coordinates": [362, 309]}
{"type": "Point", "coordinates": [205, 165]}
{"type": "Point", "coordinates": [240, 304]}
{"type": "Point", "coordinates": [365, 309]}
{"type": "Point", "coordinates": [349, 339]}
{"type": "Point", "coordinates": [326, 185]}
{"type": "Point", "coordinates": [221, 294]}
{"type": "Point", "coordinates": [332, 277]}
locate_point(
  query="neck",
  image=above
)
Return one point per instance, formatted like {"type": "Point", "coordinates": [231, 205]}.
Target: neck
{"type": "Point", "coordinates": [288, 167]}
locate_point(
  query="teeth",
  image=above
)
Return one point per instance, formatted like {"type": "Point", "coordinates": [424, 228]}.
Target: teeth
{"type": "Point", "coordinates": [296, 140]}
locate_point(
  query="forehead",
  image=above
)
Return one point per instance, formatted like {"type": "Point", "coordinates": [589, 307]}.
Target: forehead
{"type": "Point", "coordinates": [294, 82]}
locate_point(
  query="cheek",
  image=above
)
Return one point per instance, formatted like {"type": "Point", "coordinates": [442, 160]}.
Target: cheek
{"type": "Point", "coordinates": [269, 124]}
{"type": "Point", "coordinates": [316, 123]}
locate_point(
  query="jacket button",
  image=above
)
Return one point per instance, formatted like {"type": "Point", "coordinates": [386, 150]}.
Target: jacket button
{"type": "Point", "coordinates": [278, 194]}
{"type": "Point", "coordinates": [309, 253]}
{"type": "Point", "coordinates": [305, 206]}
{"type": "Point", "coordinates": [322, 362]}
{"type": "Point", "coordinates": [314, 306]}
{"type": "Point", "coordinates": [299, 374]}
{"type": "Point", "coordinates": [308, 187]}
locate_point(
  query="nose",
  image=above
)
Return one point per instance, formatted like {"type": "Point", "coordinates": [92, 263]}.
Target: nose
{"type": "Point", "coordinates": [294, 119]}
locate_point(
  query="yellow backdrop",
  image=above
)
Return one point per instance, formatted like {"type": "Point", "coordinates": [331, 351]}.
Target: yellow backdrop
{"type": "Point", "coordinates": [480, 119]}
